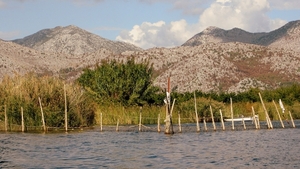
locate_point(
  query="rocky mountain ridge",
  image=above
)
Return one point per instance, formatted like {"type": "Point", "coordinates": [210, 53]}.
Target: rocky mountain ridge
{"type": "Point", "coordinates": [72, 40]}
{"type": "Point", "coordinates": [212, 66]}
{"type": "Point", "coordinates": [287, 37]}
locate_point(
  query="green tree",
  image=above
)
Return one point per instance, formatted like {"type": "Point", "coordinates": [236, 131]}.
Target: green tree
{"type": "Point", "coordinates": [127, 83]}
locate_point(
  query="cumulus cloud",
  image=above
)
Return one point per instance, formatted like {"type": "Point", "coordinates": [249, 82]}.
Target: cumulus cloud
{"type": "Point", "coordinates": [250, 15]}
{"type": "Point", "coordinates": [149, 35]}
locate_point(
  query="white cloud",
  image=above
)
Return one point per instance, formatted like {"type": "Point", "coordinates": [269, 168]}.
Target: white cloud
{"type": "Point", "coordinates": [250, 15]}
{"type": "Point", "coordinates": [157, 34]}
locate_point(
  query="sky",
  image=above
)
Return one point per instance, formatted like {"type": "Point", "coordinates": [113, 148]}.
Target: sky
{"type": "Point", "coordinates": [144, 23]}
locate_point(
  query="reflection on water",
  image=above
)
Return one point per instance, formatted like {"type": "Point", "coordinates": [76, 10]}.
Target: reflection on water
{"type": "Point", "coordinates": [265, 148]}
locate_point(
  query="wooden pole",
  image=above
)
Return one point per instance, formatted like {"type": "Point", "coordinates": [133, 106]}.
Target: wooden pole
{"type": "Point", "coordinates": [197, 119]}
{"type": "Point", "coordinates": [172, 107]}
{"type": "Point", "coordinates": [243, 122]}
{"type": "Point", "coordinates": [117, 128]}
{"type": "Point", "coordinates": [140, 123]}
{"type": "Point", "coordinates": [254, 118]}
{"type": "Point", "coordinates": [205, 127]}
{"type": "Point", "coordinates": [158, 123]}
{"type": "Point", "coordinates": [43, 119]}
{"type": "Point", "coordinates": [66, 109]}
{"type": "Point", "coordinates": [278, 114]}
{"type": "Point", "coordinates": [168, 120]}
{"type": "Point", "coordinates": [179, 123]}
{"type": "Point", "coordinates": [5, 118]}
{"type": "Point", "coordinates": [101, 129]}
{"type": "Point", "coordinates": [266, 113]}
{"type": "Point", "coordinates": [223, 126]}
{"type": "Point", "coordinates": [231, 110]}
{"type": "Point", "coordinates": [258, 123]}
{"type": "Point", "coordinates": [22, 120]}
{"type": "Point", "coordinates": [212, 118]}
{"type": "Point", "coordinates": [292, 120]}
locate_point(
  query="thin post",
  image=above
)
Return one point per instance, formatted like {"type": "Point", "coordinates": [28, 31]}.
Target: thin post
{"type": "Point", "coordinates": [223, 126]}
{"type": "Point", "coordinates": [231, 110]}
{"type": "Point", "coordinates": [243, 122]}
{"type": "Point", "coordinates": [172, 106]}
{"type": "Point", "coordinates": [266, 113]}
{"type": "Point", "coordinates": [278, 114]}
{"type": "Point", "coordinates": [43, 119]}
{"type": "Point", "coordinates": [254, 118]}
{"type": "Point", "coordinates": [117, 128]}
{"type": "Point", "coordinates": [292, 120]}
{"type": "Point", "coordinates": [179, 123]}
{"type": "Point", "coordinates": [205, 127]}
{"type": "Point", "coordinates": [212, 118]}
{"type": "Point", "coordinates": [101, 129]}
{"type": "Point", "coordinates": [5, 118]}
{"type": "Point", "coordinates": [197, 119]}
{"type": "Point", "coordinates": [158, 123]}
{"type": "Point", "coordinates": [258, 123]}
{"type": "Point", "coordinates": [22, 118]}
{"type": "Point", "coordinates": [66, 109]}
{"type": "Point", "coordinates": [140, 123]}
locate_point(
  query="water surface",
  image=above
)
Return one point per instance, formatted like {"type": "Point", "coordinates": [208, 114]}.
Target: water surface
{"type": "Point", "coordinates": [264, 148]}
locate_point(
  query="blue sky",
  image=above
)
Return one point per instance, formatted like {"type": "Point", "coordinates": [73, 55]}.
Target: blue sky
{"type": "Point", "coordinates": [145, 23]}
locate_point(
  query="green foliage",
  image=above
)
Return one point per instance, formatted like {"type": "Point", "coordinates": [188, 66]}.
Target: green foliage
{"type": "Point", "coordinates": [129, 84]}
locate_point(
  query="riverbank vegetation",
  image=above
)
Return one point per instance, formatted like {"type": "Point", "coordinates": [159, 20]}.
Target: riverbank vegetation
{"type": "Point", "coordinates": [120, 92]}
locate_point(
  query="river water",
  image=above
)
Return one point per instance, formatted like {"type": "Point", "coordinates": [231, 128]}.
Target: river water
{"type": "Point", "coordinates": [264, 148]}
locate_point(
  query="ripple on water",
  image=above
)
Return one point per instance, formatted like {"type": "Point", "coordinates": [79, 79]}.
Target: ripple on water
{"type": "Point", "coordinates": [277, 148]}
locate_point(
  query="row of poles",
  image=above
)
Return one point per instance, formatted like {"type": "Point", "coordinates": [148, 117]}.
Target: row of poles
{"type": "Point", "coordinates": [168, 120]}
{"type": "Point", "coordinates": [255, 118]}
{"type": "Point", "coordinates": [42, 113]}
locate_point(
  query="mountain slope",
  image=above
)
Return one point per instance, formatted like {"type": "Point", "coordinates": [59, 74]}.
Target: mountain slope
{"type": "Point", "coordinates": [19, 59]}
{"type": "Point", "coordinates": [213, 66]}
{"type": "Point", "coordinates": [231, 67]}
{"type": "Point", "coordinates": [287, 36]}
{"type": "Point", "coordinates": [72, 40]}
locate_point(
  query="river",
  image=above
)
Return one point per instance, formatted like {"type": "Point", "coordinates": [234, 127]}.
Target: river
{"type": "Point", "coordinates": [264, 148]}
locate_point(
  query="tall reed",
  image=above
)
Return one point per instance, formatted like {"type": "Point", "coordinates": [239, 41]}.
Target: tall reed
{"type": "Point", "coordinates": [23, 91]}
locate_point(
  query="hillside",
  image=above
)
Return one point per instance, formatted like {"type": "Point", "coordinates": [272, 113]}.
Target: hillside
{"type": "Point", "coordinates": [213, 66]}
{"type": "Point", "coordinates": [72, 40]}
{"type": "Point", "coordinates": [287, 36]}
{"type": "Point", "coordinates": [231, 67]}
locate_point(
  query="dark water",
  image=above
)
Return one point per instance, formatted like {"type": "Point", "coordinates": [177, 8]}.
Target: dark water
{"type": "Point", "coordinates": [265, 148]}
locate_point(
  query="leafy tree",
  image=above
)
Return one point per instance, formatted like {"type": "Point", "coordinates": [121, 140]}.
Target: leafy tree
{"type": "Point", "coordinates": [128, 83]}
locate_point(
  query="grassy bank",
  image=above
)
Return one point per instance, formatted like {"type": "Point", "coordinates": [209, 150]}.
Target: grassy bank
{"type": "Point", "coordinates": [84, 110]}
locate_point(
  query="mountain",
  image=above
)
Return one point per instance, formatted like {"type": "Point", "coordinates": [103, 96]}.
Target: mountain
{"type": "Point", "coordinates": [287, 36]}
{"type": "Point", "coordinates": [214, 66]}
{"type": "Point", "coordinates": [19, 59]}
{"type": "Point", "coordinates": [230, 67]}
{"type": "Point", "coordinates": [72, 40]}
